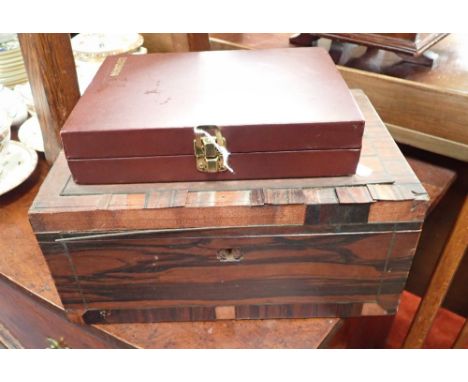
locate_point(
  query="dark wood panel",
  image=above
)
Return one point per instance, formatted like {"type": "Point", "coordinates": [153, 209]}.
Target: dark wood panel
{"type": "Point", "coordinates": [155, 271]}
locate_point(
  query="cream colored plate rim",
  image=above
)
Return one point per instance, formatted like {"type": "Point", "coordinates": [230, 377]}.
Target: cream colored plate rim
{"type": "Point", "coordinates": [12, 73]}
{"type": "Point", "coordinates": [13, 178]}
{"type": "Point", "coordinates": [14, 77]}
{"type": "Point", "coordinates": [13, 59]}
{"type": "Point", "coordinates": [9, 66]}
{"type": "Point", "coordinates": [80, 53]}
{"type": "Point", "coordinates": [12, 52]}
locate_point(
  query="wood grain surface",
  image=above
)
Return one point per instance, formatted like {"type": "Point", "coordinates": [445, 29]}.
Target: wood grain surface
{"type": "Point", "coordinates": [176, 42]}
{"type": "Point", "coordinates": [173, 271]}
{"type": "Point", "coordinates": [23, 263]}
{"type": "Point", "coordinates": [61, 205]}
{"type": "Point", "coordinates": [162, 254]}
{"type": "Point", "coordinates": [54, 95]}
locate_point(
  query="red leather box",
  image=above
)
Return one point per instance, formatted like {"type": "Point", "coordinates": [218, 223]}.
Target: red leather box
{"type": "Point", "coordinates": [221, 115]}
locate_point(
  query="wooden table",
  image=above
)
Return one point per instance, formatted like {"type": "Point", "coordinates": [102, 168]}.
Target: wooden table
{"type": "Point", "coordinates": [30, 308]}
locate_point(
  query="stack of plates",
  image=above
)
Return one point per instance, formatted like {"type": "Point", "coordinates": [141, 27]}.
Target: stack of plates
{"type": "Point", "coordinates": [91, 49]}
{"type": "Point", "coordinates": [12, 70]}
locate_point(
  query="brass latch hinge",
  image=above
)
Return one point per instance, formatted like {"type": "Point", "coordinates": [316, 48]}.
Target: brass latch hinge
{"type": "Point", "coordinates": [208, 157]}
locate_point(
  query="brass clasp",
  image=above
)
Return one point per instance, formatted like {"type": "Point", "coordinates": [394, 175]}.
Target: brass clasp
{"type": "Point", "coordinates": [208, 157]}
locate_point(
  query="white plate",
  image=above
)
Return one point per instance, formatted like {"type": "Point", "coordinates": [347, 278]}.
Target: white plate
{"type": "Point", "coordinates": [11, 81]}
{"type": "Point", "coordinates": [24, 91]}
{"type": "Point", "coordinates": [17, 163]}
{"type": "Point", "coordinates": [10, 53]}
{"type": "Point", "coordinates": [30, 134]}
{"type": "Point", "coordinates": [16, 72]}
{"type": "Point", "coordinates": [11, 60]}
{"type": "Point", "coordinates": [10, 66]}
{"type": "Point", "coordinates": [91, 46]}
{"type": "Point", "coordinates": [13, 104]}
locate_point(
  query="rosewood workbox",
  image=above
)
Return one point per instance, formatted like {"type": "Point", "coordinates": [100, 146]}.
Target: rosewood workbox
{"type": "Point", "coordinates": [335, 246]}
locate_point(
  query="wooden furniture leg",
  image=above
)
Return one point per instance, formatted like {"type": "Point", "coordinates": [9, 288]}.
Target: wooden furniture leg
{"type": "Point", "coordinates": [49, 62]}
{"type": "Point", "coordinates": [176, 42]}
{"type": "Point", "coordinates": [192, 42]}
{"type": "Point", "coordinates": [198, 41]}
{"type": "Point", "coordinates": [440, 281]}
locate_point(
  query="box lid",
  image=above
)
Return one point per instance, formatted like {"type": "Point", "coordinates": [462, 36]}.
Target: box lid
{"type": "Point", "coordinates": [383, 190]}
{"type": "Point", "coordinates": [264, 100]}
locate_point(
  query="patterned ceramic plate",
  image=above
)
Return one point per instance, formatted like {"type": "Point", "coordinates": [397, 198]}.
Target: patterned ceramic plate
{"type": "Point", "coordinates": [89, 46]}
{"type": "Point", "coordinates": [17, 163]}
{"type": "Point", "coordinates": [8, 43]}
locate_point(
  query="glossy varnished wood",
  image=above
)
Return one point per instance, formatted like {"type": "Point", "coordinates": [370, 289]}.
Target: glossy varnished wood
{"type": "Point", "coordinates": [23, 264]}
{"type": "Point", "coordinates": [30, 288]}
{"type": "Point", "coordinates": [51, 71]}
{"type": "Point", "coordinates": [172, 270]}
{"type": "Point", "coordinates": [304, 248]}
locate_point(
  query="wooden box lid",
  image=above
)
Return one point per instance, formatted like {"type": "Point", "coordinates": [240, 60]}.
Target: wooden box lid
{"type": "Point", "coordinates": [264, 101]}
{"type": "Point", "coordinates": [383, 190]}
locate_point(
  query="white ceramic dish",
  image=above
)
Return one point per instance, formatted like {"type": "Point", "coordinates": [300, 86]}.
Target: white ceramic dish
{"type": "Point", "coordinates": [97, 46]}
{"type": "Point", "coordinates": [5, 129]}
{"type": "Point", "coordinates": [25, 93]}
{"type": "Point", "coordinates": [30, 134]}
{"type": "Point", "coordinates": [11, 60]}
{"type": "Point", "coordinates": [10, 53]}
{"type": "Point", "coordinates": [12, 81]}
{"type": "Point", "coordinates": [13, 73]}
{"type": "Point", "coordinates": [11, 66]}
{"type": "Point", "coordinates": [17, 163]}
{"type": "Point", "coordinates": [14, 105]}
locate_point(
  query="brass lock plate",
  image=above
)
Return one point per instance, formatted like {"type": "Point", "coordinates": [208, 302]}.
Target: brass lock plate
{"type": "Point", "coordinates": [208, 157]}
